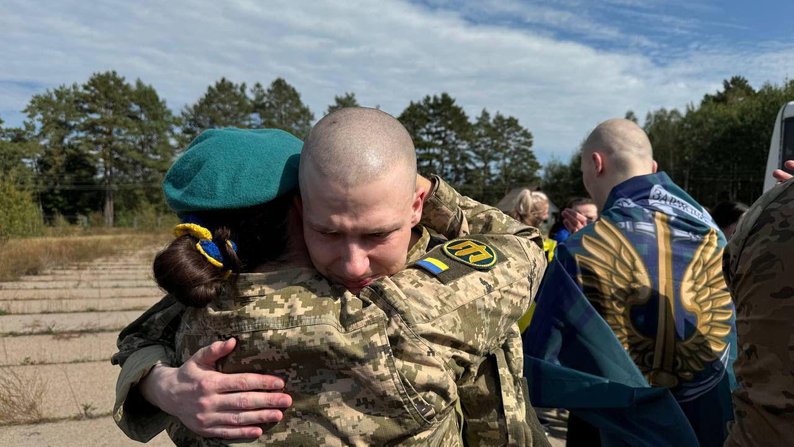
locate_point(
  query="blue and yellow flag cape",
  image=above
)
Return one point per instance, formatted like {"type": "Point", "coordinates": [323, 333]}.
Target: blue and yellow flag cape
{"type": "Point", "coordinates": [573, 360]}
{"type": "Point", "coordinates": [650, 270]}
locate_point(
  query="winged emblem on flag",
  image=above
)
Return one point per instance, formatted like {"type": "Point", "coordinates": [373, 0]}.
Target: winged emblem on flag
{"type": "Point", "coordinates": [615, 279]}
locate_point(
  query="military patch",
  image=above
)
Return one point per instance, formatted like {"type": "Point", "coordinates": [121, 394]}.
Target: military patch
{"type": "Point", "coordinates": [471, 252]}
{"type": "Point", "coordinates": [471, 255]}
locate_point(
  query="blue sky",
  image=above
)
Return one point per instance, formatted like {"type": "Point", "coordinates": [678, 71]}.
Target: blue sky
{"type": "Point", "coordinates": [560, 67]}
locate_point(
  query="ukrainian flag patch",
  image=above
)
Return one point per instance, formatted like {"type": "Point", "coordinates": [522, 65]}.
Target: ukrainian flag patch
{"type": "Point", "coordinates": [433, 265]}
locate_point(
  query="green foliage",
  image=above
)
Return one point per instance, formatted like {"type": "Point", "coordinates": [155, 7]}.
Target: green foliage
{"type": "Point", "coordinates": [340, 102]}
{"type": "Point", "coordinates": [562, 182]}
{"type": "Point", "coordinates": [225, 104]}
{"type": "Point", "coordinates": [147, 217]}
{"type": "Point", "coordinates": [66, 174]}
{"type": "Point", "coordinates": [104, 142]}
{"type": "Point", "coordinates": [502, 157]}
{"type": "Point", "coordinates": [19, 212]}
{"type": "Point", "coordinates": [717, 151]}
{"type": "Point", "coordinates": [441, 133]}
{"type": "Point", "coordinates": [484, 159]}
{"type": "Point", "coordinates": [16, 155]}
{"type": "Point", "coordinates": [280, 107]}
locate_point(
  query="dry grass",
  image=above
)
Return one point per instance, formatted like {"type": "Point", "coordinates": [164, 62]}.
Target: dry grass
{"type": "Point", "coordinates": [20, 397]}
{"type": "Point", "coordinates": [29, 256]}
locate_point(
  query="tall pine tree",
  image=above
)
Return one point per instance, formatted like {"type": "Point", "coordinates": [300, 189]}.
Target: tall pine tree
{"type": "Point", "coordinates": [340, 102]}
{"type": "Point", "coordinates": [224, 104]}
{"type": "Point", "coordinates": [441, 132]}
{"type": "Point", "coordinates": [280, 107]}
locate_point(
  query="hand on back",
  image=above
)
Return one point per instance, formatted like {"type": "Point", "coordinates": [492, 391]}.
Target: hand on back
{"type": "Point", "coordinates": [214, 404]}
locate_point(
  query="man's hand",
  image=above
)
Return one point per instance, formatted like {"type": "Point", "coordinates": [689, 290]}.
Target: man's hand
{"type": "Point", "coordinates": [214, 404]}
{"type": "Point", "coordinates": [781, 175]}
{"type": "Point", "coordinates": [573, 221]}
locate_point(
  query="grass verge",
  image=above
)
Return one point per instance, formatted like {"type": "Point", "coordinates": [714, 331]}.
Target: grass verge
{"type": "Point", "coordinates": [30, 256]}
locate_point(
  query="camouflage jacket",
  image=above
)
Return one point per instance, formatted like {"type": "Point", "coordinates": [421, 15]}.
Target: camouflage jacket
{"type": "Point", "coordinates": [389, 365]}
{"type": "Point", "coordinates": [759, 270]}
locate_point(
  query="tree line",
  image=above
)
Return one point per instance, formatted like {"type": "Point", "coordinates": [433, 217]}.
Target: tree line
{"type": "Point", "coordinates": [716, 150]}
{"type": "Point", "coordinates": [101, 148]}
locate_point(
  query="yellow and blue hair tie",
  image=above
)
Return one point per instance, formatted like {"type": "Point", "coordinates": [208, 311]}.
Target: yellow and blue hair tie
{"type": "Point", "coordinates": [206, 246]}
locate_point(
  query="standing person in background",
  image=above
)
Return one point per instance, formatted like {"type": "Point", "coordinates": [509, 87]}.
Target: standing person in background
{"type": "Point", "coordinates": [727, 215]}
{"type": "Point", "coordinates": [585, 211]}
{"type": "Point", "coordinates": [650, 265]}
{"type": "Point", "coordinates": [759, 270]}
{"type": "Point", "coordinates": [526, 206]}
{"type": "Point", "coordinates": [530, 208]}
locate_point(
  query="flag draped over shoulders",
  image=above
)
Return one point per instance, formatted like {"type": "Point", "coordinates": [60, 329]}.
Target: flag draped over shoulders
{"type": "Point", "coordinates": [642, 287]}
{"type": "Point", "coordinates": [573, 360]}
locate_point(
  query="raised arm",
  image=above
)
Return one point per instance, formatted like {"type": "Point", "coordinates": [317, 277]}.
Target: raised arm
{"type": "Point", "coordinates": [453, 215]}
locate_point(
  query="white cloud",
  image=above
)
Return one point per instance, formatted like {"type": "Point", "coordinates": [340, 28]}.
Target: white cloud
{"type": "Point", "coordinates": [387, 52]}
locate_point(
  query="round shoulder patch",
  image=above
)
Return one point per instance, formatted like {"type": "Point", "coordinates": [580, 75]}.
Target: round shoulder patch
{"type": "Point", "coordinates": [471, 252]}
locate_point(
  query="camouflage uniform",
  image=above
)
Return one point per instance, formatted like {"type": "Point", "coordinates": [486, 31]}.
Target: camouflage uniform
{"type": "Point", "coordinates": [759, 269]}
{"type": "Point", "coordinates": [387, 366]}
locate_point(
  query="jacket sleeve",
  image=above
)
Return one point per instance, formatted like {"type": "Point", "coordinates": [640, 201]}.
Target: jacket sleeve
{"type": "Point", "coordinates": [144, 343]}
{"type": "Point", "coordinates": [453, 215]}
{"type": "Point", "coordinates": [492, 388]}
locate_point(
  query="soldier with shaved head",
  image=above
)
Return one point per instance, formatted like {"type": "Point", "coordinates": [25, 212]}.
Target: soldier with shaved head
{"type": "Point", "coordinates": [650, 265]}
{"type": "Point", "coordinates": [398, 330]}
{"type": "Point", "coordinates": [359, 195]}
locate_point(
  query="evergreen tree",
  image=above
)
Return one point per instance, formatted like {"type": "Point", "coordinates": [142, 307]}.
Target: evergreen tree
{"type": "Point", "coordinates": [225, 104]}
{"type": "Point", "coordinates": [100, 142]}
{"type": "Point", "coordinates": [442, 133]}
{"type": "Point", "coordinates": [127, 129]}
{"type": "Point", "coordinates": [280, 107]}
{"type": "Point", "coordinates": [518, 165]}
{"type": "Point", "coordinates": [340, 102]}
{"type": "Point", "coordinates": [485, 151]}
{"type": "Point", "coordinates": [66, 175]}
{"type": "Point", "coordinates": [563, 181]}
{"type": "Point", "coordinates": [502, 157]}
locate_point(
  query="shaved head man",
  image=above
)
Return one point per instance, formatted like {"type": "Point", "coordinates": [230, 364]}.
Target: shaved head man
{"type": "Point", "coordinates": [615, 151]}
{"type": "Point", "coordinates": [361, 205]}
{"type": "Point", "coordinates": [359, 196]}
{"type": "Point", "coordinates": [652, 253]}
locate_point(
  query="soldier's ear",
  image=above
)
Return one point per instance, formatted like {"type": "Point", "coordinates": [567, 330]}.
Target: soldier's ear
{"type": "Point", "coordinates": [654, 168]}
{"type": "Point", "coordinates": [598, 163]}
{"type": "Point", "coordinates": [417, 205]}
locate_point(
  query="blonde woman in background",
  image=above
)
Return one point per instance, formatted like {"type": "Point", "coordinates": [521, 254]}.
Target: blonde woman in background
{"type": "Point", "coordinates": [530, 208]}
{"type": "Point", "coordinates": [526, 206]}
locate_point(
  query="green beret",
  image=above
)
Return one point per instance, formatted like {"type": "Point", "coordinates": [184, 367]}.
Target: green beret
{"type": "Point", "coordinates": [233, 168]}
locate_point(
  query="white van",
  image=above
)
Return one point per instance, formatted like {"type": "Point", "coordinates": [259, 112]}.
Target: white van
{"type": "Point", "coordinates": [781, 148]}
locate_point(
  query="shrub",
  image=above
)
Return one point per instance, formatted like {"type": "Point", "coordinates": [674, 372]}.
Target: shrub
{"type": "Point", "coordinates": [19, 213]}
